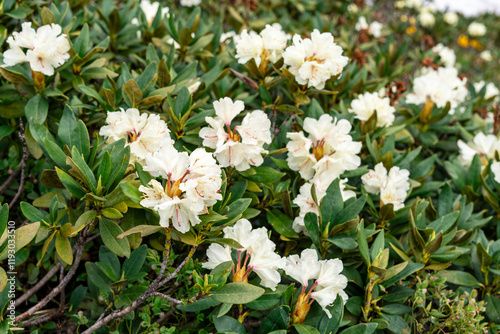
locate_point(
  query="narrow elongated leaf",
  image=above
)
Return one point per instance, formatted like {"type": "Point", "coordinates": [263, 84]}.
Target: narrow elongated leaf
{"type": "Point", "coordinates": [238, 293]}
{"type": "Point", "coordinates": [109, 233]}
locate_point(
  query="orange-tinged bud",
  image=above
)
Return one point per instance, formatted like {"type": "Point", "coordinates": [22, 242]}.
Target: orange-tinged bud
{"type": "Point", "coordinates": [301, 308]}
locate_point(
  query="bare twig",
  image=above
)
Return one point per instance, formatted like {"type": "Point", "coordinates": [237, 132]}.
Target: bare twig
{"type": "Point", "coordinates": [47, 276]}
{"type": "Point", "coordinates": [23, 165]}
{"type": "Point", "coordinates": [41, 320]}
{"type": "Point", "coordinates": [164, 296]}
{"type": "Point", "coordinates": [148, 294]}
{"type": "Point", "coordinates": [104, 313]}
{"type": "Point", "coordinates": [9, 180]}
{"type": "Point", "coordinates": [81, 244]}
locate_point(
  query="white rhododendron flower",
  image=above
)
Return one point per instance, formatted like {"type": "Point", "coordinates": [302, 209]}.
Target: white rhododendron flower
{"type": "Point", "coordinates": [327, 152]}
{"type": "Point", "coordinates": [392, 186]}
{"type": "Point", "coordinates": [491, 90]}
{"type": "Point", "coordinates": [328, 284]}
{"type": "Point", "coordinates": [47, 48]}
{"type": "Point", "coordinates": [352, 8]}
{"type": "Point", "coordinates": [374, 28]}
{"type": "Point", "coordinates": [242, 146]}
{"type": "Point", "coordinates": [450, 18]}
{"type": "Point", "coordinates": [495, 168]}
{"type": "Point", "coordinates": [192, 185]}
{"type": "Point", "coordinates": [224, 37]}
{"type": "Point", "coordinates": [414, 3]}
{"type": "Point", "coordinates": [266, 46]}
{"type": "Point", "coordinates": [446, 54]}
{"type": "Point", "coordinates": [144, 133]}
{"type": "Point", "coordinates": [476, 29]}
{"type": "Point", "coordinates": [484, 145]}
{"type": "Point", "coordinates": [314, 60]}
{"type": "Point", "coordinates": [441, 86]}
{"type": "Point", "coordinates": [426, 19]}
{"type": "Point", "coordinates": [150, 9]}
{"type": "Point", "coordinates": [190, 3]}
{"type": "Point", "coordinates": [486, 56]}
{"type": "Point", "coordinates": [260, 256]}
{"type": "Point", "coordinates": [366, 104]}
{"type": "Point", "coordinates": [306, 203]}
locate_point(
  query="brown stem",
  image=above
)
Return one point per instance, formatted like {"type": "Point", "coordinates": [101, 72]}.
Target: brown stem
{"type": "Point", "coordinates": [164, 296]}
{"type": "Point", "coordinates": [11, 178]}
{"type": "Point", "coordinates": [149, 293]}
{"type": "Point", "coordinates": [81, 244]}
{"type": "Point", "coordinates": [23, 165]}
{"type": "Point", "coordinates": [41, 320]}
{"type": "Point", "coordinates": [47, 277]}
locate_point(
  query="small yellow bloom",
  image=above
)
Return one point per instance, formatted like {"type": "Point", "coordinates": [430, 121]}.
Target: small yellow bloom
{"type": "Point", "coordinates": [476, 45]}
{"type": "Point", "coordinates": [404, 18]}
{"type": "Point", "coordinates": [412, 20]}
{"type": "Point", "coordinates": [411, 30]}
{"type": "Point", "coordinates": [463, 41]}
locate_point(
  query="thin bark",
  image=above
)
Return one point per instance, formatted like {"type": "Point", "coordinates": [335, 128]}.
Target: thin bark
{"type": "Point", "coordinates": [151, 292]}
{"type": "Point", "coordinates": [81, 244]}
{"type": "Point", "coordinates": [47, 277]}
{"type": "Point", "coordinates": [23, 165]}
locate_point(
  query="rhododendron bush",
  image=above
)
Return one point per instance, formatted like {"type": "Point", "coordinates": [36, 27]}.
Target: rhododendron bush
{"type": "Point", "coordinates": [202, 166]}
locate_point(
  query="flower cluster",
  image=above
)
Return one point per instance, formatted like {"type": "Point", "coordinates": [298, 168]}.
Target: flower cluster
{"type": "Point", "coordinates": [314, 60]}
{"type": "Point", "coordinates": [446, 54]}
{"type": "Point", "coordinates": [306, 203]}
{"type": "Point", "coordinates": [440, 86]}
{"type": "Point", "coordinates": [328, 282]}
{"type": "Point", "coordinates": [268, 46]}
{"type": "Point", "coordinates": [47, 48]}
{"type": "Point", "coordinates": [150, 9]}
{"type": "Point", "coordinates": [190, 3]}
{"type": "Point", "coordinates": [239, 147]}
{"type": "Point", "coordinates": [144, 133]}
{"type": "Point", "coordinates": [491, 90]}
{"type": "Point", "coordinates": [259, 258]}
{"type": "Point", "coordinates": [495, 168]}
{"type": "Point", "coordinates": [192, 185]}
{"type": "Point", "coordinates": [484, 145]}
{"type": "Point", "coordinates": [327, 152]}
{"type": "Point", "coordinates": [374, 28]}
{"type": "Point", "coordinates": [392, 187]}
{"type": "Point", "coordinates": [476, 29]}
{"type": "Point", "coordinates": [368, 103]}
{"type": "Point", "coordinates": [451, 18]}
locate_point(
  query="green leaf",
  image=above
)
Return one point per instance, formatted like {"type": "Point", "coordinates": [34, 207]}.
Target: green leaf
{"type": "Point", "coordinates": [36, 109]}
{"type": "Point", "coordinates": [492, 308]}
{"type": "Point", "coordinates": [128, 296]}
{"type": "Point", "coordinates": [445, 201]}
{"type": "Point", "coordinates": [132, 94]}
{"type": "Point", "coordinates": [409, 269]}
{"type": "Point", "coordinates": [32, 213]}
{"type": "Point", "coordinates": [458, 277]}
{"type": "Point", "coordinates": [262, 174]}
{"type": "Point", "coordinates": [78, 160]}
{"type": "Point", "coordinates": [199, 305]}
{"type": "Point", "coordinates": [331, 325]}
{"type": "Point", "coordinates": [238, 293]}
{"type": "Point", "coordinates": [3, 279]}
{"type": "Point", "coordinates": [226, 241]}
{"type": "Point", "coordinates": [226, 324]}
{"type": "Point", "coordinates": [311, 223]}
{"type": "Point", "coordinates": [332, 203]}
{"type": "Point", "coordinates": [109, 232]}
{"type": "Point", "coordinates": [144, 230]}
{"type": "Point", "coordinates": [63, 248]}
{"type": "Point", "coordinates": [82, 41]}
{"type": "Point", "coordinates": [86, 218]}
{"type": "Point", "coordinates": [134, 264]}
{"type": "Point", "coordinates": [278, 319]}
{"type": "Point", "coordinates": [360, 329]}
{"type": "Point", "coordinates": [96, 276]}
{"type": "Point", "coordinates": [131, 192]}
{"type": "Point", "coordinates": [111, 213]}
{"type": "Point", "coordinates": [363, 244]}
{"type": "Point", "coordinates": [69, 183]}
{"type": "Point", "coordinates": [24, 235]}
{"type": "Point", "coordinates": [351, 211]}
{"type": "Point", "coordinates": [55, 153]}
{"type": "Point", "coordinates": [66, 126]}
{"type": "Point", "coordinates": [281, 223]}
{"type": "Point", "coordinates": [305, 329]}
